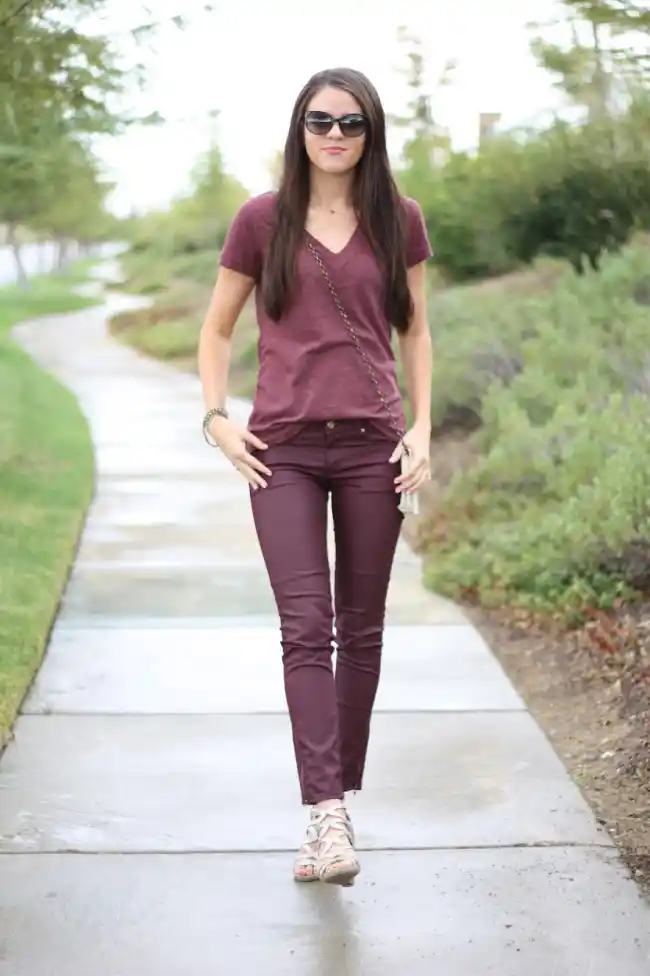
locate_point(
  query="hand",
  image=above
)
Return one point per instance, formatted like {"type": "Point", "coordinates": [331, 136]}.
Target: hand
{"type": "Point", "coordinates": [418, 441]}
{"type": "Point", "coordinates": [233, 441]}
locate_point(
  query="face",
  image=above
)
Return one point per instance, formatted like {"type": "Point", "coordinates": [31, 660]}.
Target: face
{"type": "Point", "coordinates": [339, 149]}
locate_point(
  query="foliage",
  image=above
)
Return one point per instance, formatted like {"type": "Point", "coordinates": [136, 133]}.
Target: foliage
{"type": "Point", "coordinates": [425, 138]}
{"type": "Point", "coordinates": [556, 512]}
{"type": "Point", "coordinates": [57, 85]}
{"type": "Point", "coordinates": [570, 192]}
{"type": "Point", "coordinates": [64, 80]}
{"type": "Point", "coordinates": [46, 61]}
{"type": "Point", "coordinates": [196, 222]}
{"type": "Point", "coordinates": [609, 45]}
{"type": "Point", "coordinates": [173, 257]}
{"type": "Point", "coordinates": [622, 16]}
{"type": "Point", "coordinates": [573, 191]}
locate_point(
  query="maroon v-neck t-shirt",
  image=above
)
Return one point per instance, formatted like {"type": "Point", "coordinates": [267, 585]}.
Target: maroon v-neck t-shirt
{"type": "Point", "coordinates": [309, 368]}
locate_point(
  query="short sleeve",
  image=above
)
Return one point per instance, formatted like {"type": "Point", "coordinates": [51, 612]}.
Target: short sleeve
{"type": "Point", "coordinates": [241, 250]}
{"type": "Point", "coordinates": [418, 246]}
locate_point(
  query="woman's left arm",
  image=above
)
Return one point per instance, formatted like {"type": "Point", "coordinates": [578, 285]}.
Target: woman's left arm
{"type": "Point", "coordinates": [417, 362]}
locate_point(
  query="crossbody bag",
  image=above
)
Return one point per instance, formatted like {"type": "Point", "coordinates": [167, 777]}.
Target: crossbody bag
{"type": "Point", "coordinates": [409, 502]}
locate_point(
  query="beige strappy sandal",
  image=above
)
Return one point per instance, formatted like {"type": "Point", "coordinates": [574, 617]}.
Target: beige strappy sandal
{"type": "Point", "coordinates": [337, 861]}
{"type": "Point", "coordinates": [305, 866]}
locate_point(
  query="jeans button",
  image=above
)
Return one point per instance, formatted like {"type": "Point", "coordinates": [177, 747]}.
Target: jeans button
{"type": "Point", "coordinates": [331, 424]}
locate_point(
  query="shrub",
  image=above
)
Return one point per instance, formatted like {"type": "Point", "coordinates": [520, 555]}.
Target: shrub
{"type": "Point", "coordinates": [581, 213]}
{"type": "Point", "coordinates": [556, 512]}
{"type": "Point", "coordinates": [571, 192]}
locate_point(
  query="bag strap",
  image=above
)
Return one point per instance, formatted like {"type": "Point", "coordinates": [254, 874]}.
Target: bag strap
{"type": "Point", "coordinates": [355, 339]}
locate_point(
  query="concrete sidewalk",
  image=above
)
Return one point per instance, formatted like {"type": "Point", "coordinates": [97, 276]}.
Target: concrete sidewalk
{"type": "Point", "coordinates": [149, 810]}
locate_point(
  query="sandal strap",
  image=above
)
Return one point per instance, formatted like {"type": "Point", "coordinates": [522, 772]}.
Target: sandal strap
{"type": "Point", "coordinates": [335, 835]}
{"type": "Point", "coordinates": [308, 852]}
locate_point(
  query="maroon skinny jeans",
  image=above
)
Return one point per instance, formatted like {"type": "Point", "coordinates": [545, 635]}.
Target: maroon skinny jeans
{"type": "Point", "coordinates": [330, 713]}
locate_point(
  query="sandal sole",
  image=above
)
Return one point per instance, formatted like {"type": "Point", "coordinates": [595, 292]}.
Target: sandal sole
{"type": "Point", "coordinates": [344, 878]}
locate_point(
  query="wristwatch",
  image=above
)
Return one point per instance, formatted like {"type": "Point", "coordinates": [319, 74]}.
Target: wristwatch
{"type": "Point", "coordinates": [207, 420]}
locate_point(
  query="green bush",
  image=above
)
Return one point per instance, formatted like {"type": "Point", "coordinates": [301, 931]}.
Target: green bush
{"type": "Point", "coordinates": [570, 192]}
{"type": "Point", "coordinates": [556, 512]}
{"type": "Point", "coordinates": [579, 214]}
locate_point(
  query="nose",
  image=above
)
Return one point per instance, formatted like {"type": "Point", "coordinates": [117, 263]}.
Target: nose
{"type": "Point", "coordinates": [335, 131]}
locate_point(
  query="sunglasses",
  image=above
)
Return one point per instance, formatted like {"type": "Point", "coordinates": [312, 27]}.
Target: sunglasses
{"type": "Point", "coordinates": [351, 125]}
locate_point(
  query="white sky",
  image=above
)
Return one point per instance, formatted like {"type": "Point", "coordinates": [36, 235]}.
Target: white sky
{"type": "Point", "coordinates": [249, 59]}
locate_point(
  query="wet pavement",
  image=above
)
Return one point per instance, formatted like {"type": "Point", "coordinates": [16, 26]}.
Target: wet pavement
{"type": "Point", "coordinates": [149, 809]}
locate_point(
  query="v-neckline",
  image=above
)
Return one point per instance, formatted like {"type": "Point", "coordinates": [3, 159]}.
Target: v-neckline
{"type": "Point", "coordinates": [334, 254]}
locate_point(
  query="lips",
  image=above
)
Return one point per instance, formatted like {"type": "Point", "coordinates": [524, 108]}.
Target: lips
{"type": "Point", "coordinates": [334, 150]}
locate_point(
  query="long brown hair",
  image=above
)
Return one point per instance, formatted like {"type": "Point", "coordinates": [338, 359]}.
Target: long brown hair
{"type": "Point", "coordinates": [376, 200]}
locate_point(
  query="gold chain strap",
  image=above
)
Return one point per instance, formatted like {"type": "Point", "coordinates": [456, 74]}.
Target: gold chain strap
{"type": "Point", "coordinates": [355, 338]}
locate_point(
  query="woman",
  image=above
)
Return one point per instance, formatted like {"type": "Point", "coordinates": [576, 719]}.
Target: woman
{"type": "Point", "coordinates": [336, 258]}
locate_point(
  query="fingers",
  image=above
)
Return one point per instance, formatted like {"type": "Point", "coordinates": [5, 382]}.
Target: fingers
{"type": "Point", "coordinates": [252, 477]}
{"type": "Point", "coordinates": [413, 479]}
{"type": "Point", "coordinates": [253, 440]}
{"type": "Point", "coordinates": [252, 469]}
{"type": "Point", "coordinates": [233, 447]}
{"type": "Point", "coordinates": [254, 462]}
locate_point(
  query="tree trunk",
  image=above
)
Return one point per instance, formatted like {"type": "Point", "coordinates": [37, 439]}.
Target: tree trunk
{"type": "Point", "coordinates": [21, 274]}
{"type": "Point", "coordinates": [599, 108]}
{"type": "Point", "coordinates": [62, 256]}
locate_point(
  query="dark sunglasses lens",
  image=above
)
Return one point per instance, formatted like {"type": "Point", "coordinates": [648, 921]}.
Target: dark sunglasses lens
{"type": "Point", "coordinates": [319, 123]}
{"type": "Point", "coordinates": [353, 125]}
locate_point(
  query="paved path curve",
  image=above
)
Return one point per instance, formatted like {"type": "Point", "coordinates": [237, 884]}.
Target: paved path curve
{"type": "Point", "coordinates": [148, 806]}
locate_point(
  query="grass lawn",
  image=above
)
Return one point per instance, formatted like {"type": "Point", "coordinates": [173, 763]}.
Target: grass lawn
{"type": "Point", "coordinates": [46, 482]}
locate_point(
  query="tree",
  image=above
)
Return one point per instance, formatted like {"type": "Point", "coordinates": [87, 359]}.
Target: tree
{"type": "Point", "coordinates": [585, 72]}
{"type": "Point", "coordinates": [587, 211]}
{"type": "Point", "coordinates": [426, 139]}
{"type": "Point", "coordinates": [579, 73]}
{"type": "Point", "coordinates": [605, 50]}
{"type": "Point", "coordinates": [214, 199]}
{"type": "Point", "coordinates": [74, 205]}
{"type": "Point", "coordinates": [61, 83]}
{"type": "Point", "coordinates": [199, 219]}
{"type": "Point", "coordinates": [622, 16]}
{"type": "Point", "coordinates": [44, 61]}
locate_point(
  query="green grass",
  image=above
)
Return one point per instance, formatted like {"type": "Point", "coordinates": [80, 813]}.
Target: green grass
{"type": "Point", "coordinates": [46, 481]}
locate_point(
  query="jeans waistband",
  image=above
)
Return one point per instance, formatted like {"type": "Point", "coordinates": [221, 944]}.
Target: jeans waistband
{"type": "Point", "coordinates": [336, 431]}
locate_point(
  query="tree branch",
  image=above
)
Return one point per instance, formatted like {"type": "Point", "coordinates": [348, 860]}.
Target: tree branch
{"type": "Point", "coordinates": [16, 12]}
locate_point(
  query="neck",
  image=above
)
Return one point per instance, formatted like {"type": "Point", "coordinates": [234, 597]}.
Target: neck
{"type": "Point", "coordinates": [330, 191]}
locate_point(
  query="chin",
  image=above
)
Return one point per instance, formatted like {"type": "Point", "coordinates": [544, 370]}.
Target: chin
{"type": "Point", "coordinates": [335, 164]}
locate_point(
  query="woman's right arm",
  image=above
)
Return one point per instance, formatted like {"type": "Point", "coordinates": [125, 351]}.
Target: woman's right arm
{"type": "Point", "coordinates": [229, 296]}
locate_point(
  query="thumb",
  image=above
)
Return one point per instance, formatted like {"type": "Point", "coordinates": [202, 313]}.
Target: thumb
{"type": "Point", "coordinates": [250, 438]}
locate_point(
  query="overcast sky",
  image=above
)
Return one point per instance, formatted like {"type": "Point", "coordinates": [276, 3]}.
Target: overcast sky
{"type": "Point", "coordinates": [249, 59]}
